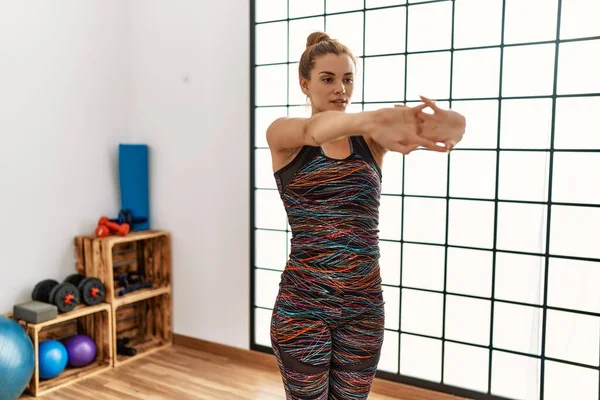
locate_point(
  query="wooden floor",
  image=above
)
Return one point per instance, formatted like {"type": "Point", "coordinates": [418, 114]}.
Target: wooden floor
{"type": "Point", "coordinates": [183, 373]}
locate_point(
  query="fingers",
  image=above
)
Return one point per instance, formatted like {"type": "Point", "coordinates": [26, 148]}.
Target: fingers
{"type": "Point", "coordinates": [401, 148]}
{"type": "Point", "coordinates": [417, 142]}
{"type": "Point", "coordinates": [430, 103]}
{"type": "Point", "coordinates": [450, 144]}
{"type": "Point", "coordinates": [430, 145]}
{"type": "Point", "coordinates": [424, 116]}
{"type": "Point", "coordinates": [419, 109]}
{"type": "Point", "coordinates": [420, 127]}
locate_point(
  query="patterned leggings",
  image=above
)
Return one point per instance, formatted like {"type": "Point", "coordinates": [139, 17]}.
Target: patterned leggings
{"type": "Point", "coordinates": [327, 347]}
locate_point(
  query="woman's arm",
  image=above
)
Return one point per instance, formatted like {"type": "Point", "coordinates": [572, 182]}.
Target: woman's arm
{"type": "Point", "coordinates": [289, 133]}
{"type": "Point", "coordinates": [394, 129]}
{"type": "Point", "coordinates": [286, 136]}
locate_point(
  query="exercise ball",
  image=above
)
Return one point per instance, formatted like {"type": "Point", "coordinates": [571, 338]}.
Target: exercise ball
{"type": "Point", "coordinates": [81, 350]}
{"type": "Point", "coordinates": [52, 358]}
{"type": "Point", "coordinates": [17, 359]}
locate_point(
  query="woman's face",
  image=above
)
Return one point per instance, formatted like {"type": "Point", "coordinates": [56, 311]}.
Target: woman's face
{"type": "Point", "coordinates": [331, 83]}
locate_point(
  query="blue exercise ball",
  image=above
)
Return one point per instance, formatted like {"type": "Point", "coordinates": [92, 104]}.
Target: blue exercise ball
{"type": "Point", "coordinates": [53, 358]}
{"type": "Point", "coordinates": [17, 359]}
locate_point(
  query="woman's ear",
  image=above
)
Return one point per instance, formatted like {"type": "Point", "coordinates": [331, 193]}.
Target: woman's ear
{"type": "Point", "coordinates": [304, 86]}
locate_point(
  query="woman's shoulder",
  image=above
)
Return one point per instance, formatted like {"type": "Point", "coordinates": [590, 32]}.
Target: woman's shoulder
{"type": "Point", "coordinates": [376, 150]}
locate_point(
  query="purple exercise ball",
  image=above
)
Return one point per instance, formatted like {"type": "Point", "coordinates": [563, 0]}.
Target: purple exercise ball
{"type": "Point", "coordinates": [81, 350]}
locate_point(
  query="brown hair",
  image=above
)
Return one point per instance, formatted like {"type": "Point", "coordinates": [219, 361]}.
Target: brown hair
{"type": "Point", "coordinates": [319, 44]}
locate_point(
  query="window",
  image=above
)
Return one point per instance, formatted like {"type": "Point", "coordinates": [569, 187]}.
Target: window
{"type": "Point", "coordinates": [489, 255]}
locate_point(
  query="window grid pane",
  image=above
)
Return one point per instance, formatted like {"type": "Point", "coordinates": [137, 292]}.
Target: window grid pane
{"type": "Point", "coordinates": [530, 140]}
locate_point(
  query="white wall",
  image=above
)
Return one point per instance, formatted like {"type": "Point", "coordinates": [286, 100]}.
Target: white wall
{"type": "Point", "coordinates": [199, 137]}
{"type": "Point", "coordinates": [85, 76]}
{"type": "Point", "coordinates": [65, 89]}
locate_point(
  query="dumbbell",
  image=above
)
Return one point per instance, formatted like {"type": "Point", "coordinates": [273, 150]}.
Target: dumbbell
{"type": "Point", "coordinates": [105, 226]}
{"type": "Point", "coordinates": [125, 216]}
{"type": "Point", "coordinates": [131, 282]}
{"type": "Point", "coordinates": [92, 289]}
{"type": "Point", "coordinates": [65, 296]}
{"type": "Point", "coordinates": [123, 349]}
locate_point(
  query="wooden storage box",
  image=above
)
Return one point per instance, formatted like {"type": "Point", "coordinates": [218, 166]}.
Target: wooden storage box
{"type": "Point", "coordinates": [94, 321]}
{"type": "Point", "coordinates": [145, 323]}
{"type": "Point", "coordinates": [145, 255]}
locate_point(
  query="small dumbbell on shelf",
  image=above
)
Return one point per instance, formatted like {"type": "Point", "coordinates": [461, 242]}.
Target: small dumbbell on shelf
{"type": "Point", "coordinates": [106, 227]}
{"type": "Point", "coordinates": [91, 289]}
{"type": "Point", "coordinates": [123, 349]}
{"type": "Point", "coordinates": [65, 296]}
{"type": "Point", "coordinates": [131, 282]}
{"type": "Point", "coordinates": [76, 289]}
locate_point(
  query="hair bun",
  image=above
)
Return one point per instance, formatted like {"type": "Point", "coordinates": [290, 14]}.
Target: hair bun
{"type": "Point", "coordinates": [317, 37]}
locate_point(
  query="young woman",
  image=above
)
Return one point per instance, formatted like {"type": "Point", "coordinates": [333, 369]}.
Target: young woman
{"type": "Point", "coordinates": [328, 320]}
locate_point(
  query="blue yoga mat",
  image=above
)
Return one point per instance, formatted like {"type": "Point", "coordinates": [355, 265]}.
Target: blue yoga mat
{"type": "Point", "coordinates": [134, 182]}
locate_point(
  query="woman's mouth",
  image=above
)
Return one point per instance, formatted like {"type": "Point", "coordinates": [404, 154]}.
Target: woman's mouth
{"type": "Point", "coordinates": [340, 101]}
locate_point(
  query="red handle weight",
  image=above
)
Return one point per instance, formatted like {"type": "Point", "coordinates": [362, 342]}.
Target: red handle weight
{"type": "Point", "coordinates": [121, 229]}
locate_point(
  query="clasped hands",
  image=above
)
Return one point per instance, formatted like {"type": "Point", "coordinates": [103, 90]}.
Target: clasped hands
{"type": "Point", "coordinates": [424, 130]}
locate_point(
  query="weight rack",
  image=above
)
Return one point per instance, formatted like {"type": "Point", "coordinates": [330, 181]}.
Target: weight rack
{"type": "Point", "coordinates": [136, 270]}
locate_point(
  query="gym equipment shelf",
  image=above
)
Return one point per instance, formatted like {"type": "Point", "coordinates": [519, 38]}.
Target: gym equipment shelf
{"type": "Point", "coordinates": [94, 321]}
{"type": "Point", "coordinates": [139, 262]}
{"type": "Point", "coordinates": [136, 270]}
{"type": "Point", "coordinates": [144, 325]}
{"type": "Point", "coordinates": [142, 294]}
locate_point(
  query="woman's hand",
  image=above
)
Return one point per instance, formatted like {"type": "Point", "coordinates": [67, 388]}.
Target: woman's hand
{"type": "Point", "coordinates": [443, 126]}
{"type": "Point", "coordinates": [397, 129]}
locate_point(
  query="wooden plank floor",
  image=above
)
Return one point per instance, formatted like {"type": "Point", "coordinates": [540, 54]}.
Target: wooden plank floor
{"type": "Point", "coordinates": [184, 373]}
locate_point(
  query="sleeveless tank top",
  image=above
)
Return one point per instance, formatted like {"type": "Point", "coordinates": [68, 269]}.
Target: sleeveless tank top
{"type": "Point", "coordinates": [333, 211]}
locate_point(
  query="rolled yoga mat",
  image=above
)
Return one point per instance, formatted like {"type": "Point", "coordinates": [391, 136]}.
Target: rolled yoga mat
{"type": "Point", "coordinates": [134, 183]}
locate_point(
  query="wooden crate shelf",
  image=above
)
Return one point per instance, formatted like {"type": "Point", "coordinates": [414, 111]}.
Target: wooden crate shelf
{"type": "Point", "coordinates": [142, 294]}
{"type": "Point", "coordinates": [147, 253]}
{"type": "Point", "coordinates": [94, 321]}
{"type": "Point", "coordinates": [143, 315]}
{"type": "Point", "coordinates": [146, 322]}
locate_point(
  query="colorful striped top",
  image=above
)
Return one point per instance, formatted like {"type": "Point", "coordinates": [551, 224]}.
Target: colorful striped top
{"type": "Point", "coordinates": [333, 211]}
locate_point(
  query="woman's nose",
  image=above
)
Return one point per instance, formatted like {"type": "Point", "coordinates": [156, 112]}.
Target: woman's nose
{"type": "Point", "coordinates": [341, 89]}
